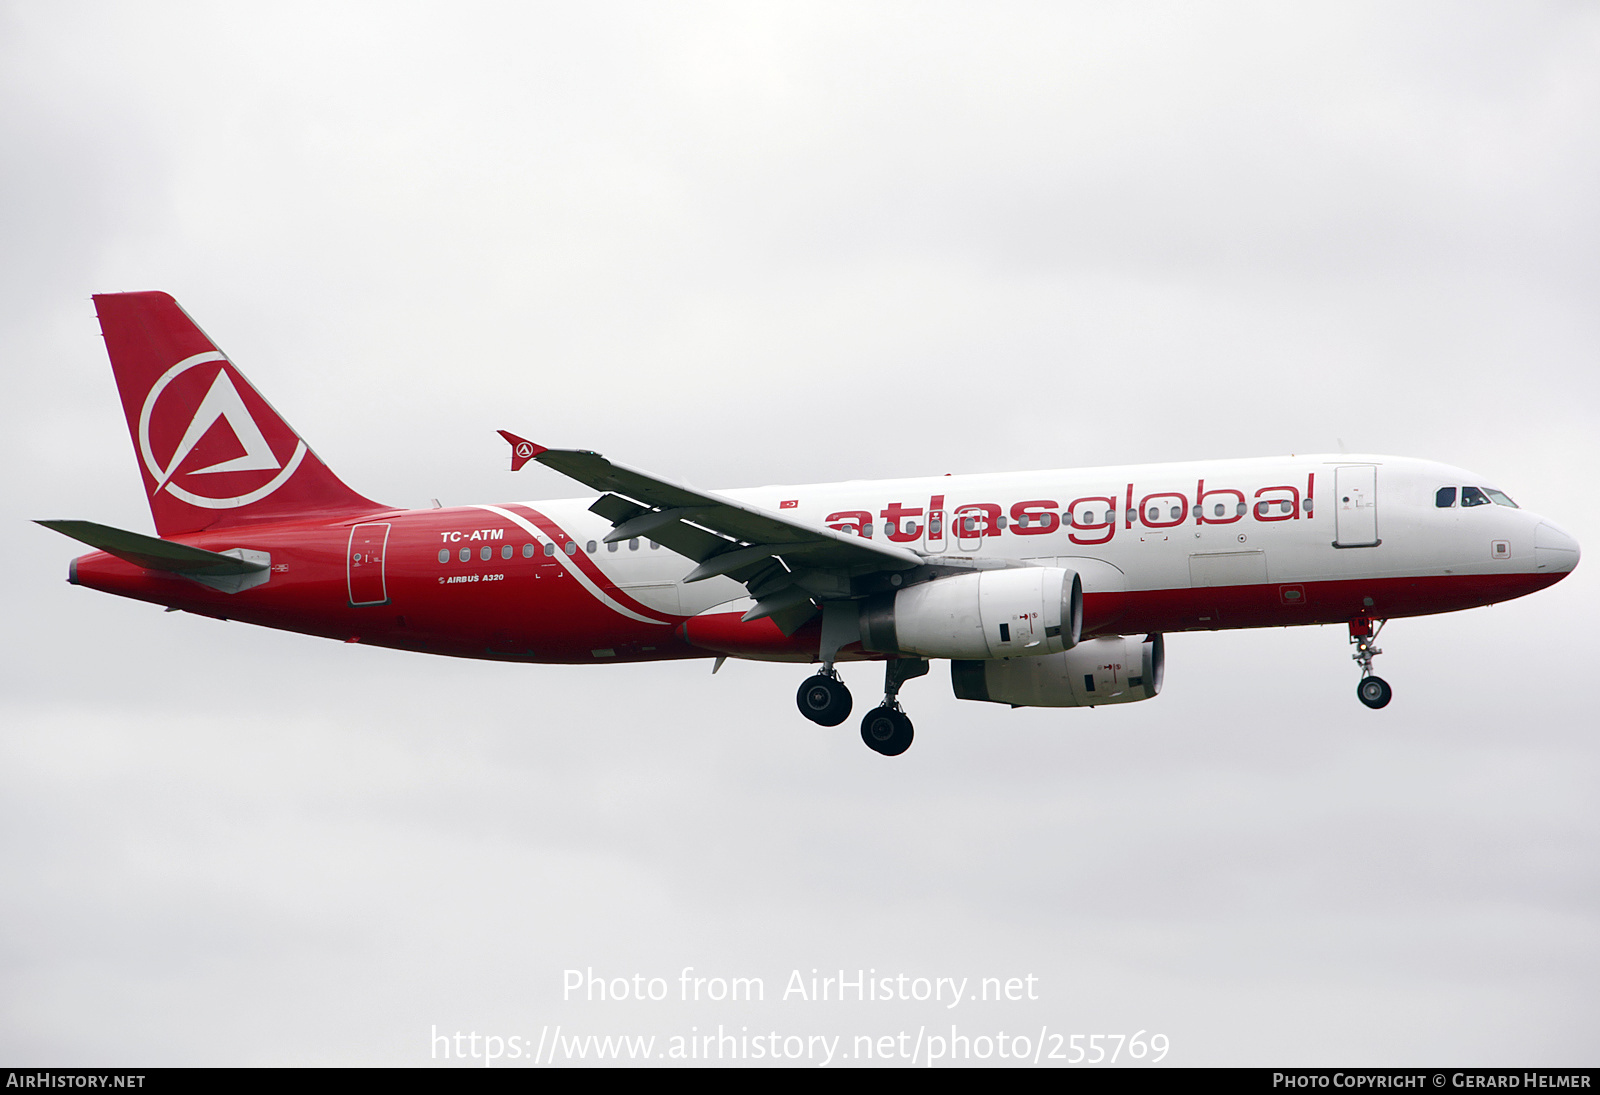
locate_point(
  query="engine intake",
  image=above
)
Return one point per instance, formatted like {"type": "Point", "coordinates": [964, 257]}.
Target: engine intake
{"type": "Point", "coordinates": [1111, 669]}
{"type": "Point", "coordinates": [1023, 612]}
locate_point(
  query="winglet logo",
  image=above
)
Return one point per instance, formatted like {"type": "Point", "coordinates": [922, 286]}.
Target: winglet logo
{"type": "Point", "coordinates": [522, 450]}
{"type": "Point", "coordinates": [222, 402]}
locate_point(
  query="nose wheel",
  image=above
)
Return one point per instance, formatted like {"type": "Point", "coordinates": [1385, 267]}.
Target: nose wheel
{"type": "Point", "coordinates": [1374, 692]}
{"type": "Point", "coordinates": [1371, 690]}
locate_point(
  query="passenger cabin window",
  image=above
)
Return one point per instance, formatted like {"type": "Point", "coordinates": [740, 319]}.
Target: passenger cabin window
{"type": "Point", "coordinates": [1472, 496]}
{"type": "Point", "coordinates": [527, 551]}
{"type": "Point", "coordinates": [1445, 498]}
{"type": "Point", "coordinates": [589, 547]}
{"type": "Point", "coordinates": [549, 549]}
{"type": "Point", "coordinates": [444, 555]}
{"type": "Point", "coordinates": [466, 554]}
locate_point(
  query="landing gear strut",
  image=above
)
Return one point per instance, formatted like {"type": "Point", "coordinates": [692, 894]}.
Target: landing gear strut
{"type": "Point", "coordinates": [886, 729]}
{"type": "Point", "coordinates": [1371, 690]}
{"type": "Point", "coordinates": [824, 699]}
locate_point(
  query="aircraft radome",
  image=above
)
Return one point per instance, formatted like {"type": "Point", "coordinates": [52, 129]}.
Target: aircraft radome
{"type": "Point", "coordinates": [1041, 589]}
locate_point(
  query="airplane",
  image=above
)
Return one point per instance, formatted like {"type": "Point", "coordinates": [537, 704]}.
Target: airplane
{"type": "Point", "coordinates": [1041, 589]}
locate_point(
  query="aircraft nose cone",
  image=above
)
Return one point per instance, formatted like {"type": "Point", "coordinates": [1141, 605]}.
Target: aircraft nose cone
{"type": "Point", "coordinates": [1554, 552]}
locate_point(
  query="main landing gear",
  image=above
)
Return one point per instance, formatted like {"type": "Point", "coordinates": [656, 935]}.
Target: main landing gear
{"type": "Point", "coordinates": [826, 701]}
{"type": "Point", "coordinates": [886, 729]}
{"type": "Point", "coordinates": [1371, 690]}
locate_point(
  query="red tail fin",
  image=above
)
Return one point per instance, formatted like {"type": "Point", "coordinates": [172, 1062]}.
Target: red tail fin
{"type": "Point", "coordinates": [212, 451]}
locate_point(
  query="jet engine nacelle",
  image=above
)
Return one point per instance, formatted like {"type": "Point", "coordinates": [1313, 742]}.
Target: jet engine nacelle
{"type": "Point", "coordinates": [1111, 669]}
{"type": "Point", "coordinates": [1021, 612]}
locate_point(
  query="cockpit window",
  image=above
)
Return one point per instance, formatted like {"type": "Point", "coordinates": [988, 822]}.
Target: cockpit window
{"type": "Point", "coordinates": [1499, 498]}
{"type": "Point", "coordinates": [1445, 498]}
{"type": "Point", "coordinates": [1472, 496]}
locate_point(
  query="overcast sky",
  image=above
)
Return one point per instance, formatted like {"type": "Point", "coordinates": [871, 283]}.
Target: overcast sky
{"type": "Point", "coordinates": [756, 243]}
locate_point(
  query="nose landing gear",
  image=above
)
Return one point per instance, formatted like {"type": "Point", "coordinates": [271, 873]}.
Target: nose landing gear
{"type": "Point", "coordinates": [1371, 690]}
{"type": "Point", "coordinates": [1374, 692]}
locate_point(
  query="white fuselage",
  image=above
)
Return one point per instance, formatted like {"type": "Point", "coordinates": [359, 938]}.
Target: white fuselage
{"type": "Point", "coordinates": [1303, 521]}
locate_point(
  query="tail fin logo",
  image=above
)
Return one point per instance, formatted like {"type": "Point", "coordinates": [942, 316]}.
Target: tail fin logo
{"type": "Point", "coordinates": [221, 403]}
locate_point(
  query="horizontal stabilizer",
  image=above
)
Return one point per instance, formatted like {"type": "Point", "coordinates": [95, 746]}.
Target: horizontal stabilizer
{"type": "Point", "coordinates": [155, 554]}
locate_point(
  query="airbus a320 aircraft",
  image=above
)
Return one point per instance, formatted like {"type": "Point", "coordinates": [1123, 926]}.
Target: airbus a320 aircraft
{"type": "Point", "coordinates": [1042, 589]}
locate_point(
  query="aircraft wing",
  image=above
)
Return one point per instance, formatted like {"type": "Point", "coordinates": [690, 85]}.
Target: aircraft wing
{"type": "Point", "coordinates": [784, 563]}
